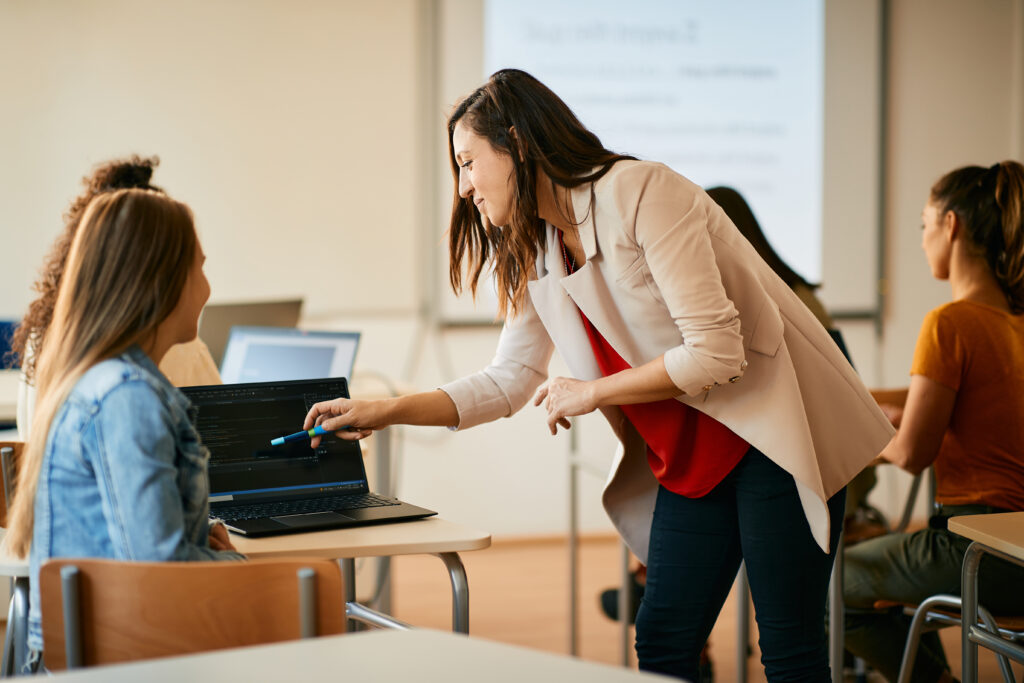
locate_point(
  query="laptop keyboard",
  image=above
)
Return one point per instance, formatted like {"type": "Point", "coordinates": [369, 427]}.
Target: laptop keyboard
{"type": "Point", "coordinates": [350, 501]}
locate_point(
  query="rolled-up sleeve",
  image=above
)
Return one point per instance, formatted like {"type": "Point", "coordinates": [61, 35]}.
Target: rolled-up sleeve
{"type": "Point", "coordinates": [671, 230]}
{"type": "Point", "coordinates": [513, 375]}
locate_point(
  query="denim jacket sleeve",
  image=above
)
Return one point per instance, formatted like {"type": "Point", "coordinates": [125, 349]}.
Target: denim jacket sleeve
{"type": "Point", "coordinates": [136, 470]}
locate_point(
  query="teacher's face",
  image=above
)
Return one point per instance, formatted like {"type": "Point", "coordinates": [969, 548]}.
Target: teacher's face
{"type": "Point", "coordinates": [485, 174]}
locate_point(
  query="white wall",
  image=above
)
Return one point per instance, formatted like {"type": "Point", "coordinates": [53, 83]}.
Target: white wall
{"type": "Point", "coordinates": [300, 135]}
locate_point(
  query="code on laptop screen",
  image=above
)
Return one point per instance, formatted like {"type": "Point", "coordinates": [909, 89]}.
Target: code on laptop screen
{"type": "Point", "coordinates": [236, 423]}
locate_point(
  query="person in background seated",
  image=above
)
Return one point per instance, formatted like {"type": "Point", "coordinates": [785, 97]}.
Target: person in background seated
{"type": "Point", "coordinates": [114, 467]}
{"type": "Point", "coordinates": [184, 364]}
{"type": "Point", "coordinates": [962, 416]}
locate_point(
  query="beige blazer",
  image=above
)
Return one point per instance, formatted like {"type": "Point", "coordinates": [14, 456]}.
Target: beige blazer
{"type": "Point", "coordinates": [667, 273]}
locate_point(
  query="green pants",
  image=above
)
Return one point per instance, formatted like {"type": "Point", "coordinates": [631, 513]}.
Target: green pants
{"type": "Point", "coordinates": [909, 568]}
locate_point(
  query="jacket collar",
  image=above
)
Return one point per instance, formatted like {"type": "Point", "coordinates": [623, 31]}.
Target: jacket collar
{"type": "Point", "coordinates": [583, 207]}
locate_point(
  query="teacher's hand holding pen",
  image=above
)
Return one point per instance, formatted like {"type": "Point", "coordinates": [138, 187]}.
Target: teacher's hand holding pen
{"type": "Point", "coordinates": [349, 419]}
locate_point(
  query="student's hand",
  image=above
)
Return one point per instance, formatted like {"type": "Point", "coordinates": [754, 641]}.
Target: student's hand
{"type": "Point", "coordinates": [352, 419]}
{"type": "Point", "coordinates": [219, 539]}
{"type": "Point", "coordinates": [564, 397]}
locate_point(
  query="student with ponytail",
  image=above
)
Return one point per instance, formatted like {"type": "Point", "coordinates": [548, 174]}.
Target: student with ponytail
{"type": "Point", "coordinates": [113, 467]}
{"type": "Point", "coordinates": [962, 416]}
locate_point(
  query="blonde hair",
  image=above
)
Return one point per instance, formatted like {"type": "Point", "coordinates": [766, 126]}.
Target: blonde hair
{"type": "Point", "coordinates": [125, 273]}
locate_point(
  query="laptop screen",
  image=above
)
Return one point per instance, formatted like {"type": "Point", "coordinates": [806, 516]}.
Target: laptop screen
{"type": "Point", "coordinates": [269, 354]}
{"type": "Point", "coordinates": [237, 421]}
{"type": "Point", "coordinates": [217, 320]}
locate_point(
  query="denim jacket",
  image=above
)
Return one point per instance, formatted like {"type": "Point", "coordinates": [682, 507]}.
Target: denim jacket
{"type": "Point", "coordinates": [123, 475]}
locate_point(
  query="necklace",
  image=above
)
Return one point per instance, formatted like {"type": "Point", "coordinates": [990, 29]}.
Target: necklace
{"type": "Point", "coordinates": [567, 259]}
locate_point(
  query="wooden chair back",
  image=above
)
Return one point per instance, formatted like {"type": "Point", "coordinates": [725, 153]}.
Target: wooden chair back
{"type": "Point", "coordinates": [9, 462]}
{"type": "Point", "coordinates": [139, 610]}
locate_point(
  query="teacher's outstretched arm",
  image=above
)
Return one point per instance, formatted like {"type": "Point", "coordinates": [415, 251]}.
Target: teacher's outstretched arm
{"type": "Point", "coordinates": [352, 419]}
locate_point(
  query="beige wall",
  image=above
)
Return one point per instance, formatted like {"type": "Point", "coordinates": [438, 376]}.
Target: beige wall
{"type": "Point", "coordinates": [301, 135]}
{"type": "Point", "coordinates": [290, 128]}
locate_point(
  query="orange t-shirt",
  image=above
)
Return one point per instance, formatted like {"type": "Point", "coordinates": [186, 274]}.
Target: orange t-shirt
{"type": "Point", "coordinates": [978, 351]}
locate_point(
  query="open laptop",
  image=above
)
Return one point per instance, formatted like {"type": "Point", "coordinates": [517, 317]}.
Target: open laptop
{"type": "Point", "coordinates": [270, 354]}
{"type": "Point", "coordinates": [259, 489]}
{"type": "Point", "coordinates": [217, 320]}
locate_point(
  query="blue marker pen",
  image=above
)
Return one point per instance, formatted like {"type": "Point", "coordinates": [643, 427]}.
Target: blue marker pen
{"type": "Point", "coordinates": [300, 436]}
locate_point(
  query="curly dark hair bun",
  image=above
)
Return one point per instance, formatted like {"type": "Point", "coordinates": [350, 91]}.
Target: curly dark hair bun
{"type": "Point", "coordinates": [118, 174]}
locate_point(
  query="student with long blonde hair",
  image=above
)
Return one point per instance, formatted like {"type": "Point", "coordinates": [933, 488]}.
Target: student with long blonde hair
{"type": "Point", "coordinates": [114, 467]}
{"type": "Point", "coordinates": [184, 364]}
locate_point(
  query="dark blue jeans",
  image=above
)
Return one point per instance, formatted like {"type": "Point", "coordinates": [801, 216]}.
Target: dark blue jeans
{"type": "Point", "coordinates": [696, 547]}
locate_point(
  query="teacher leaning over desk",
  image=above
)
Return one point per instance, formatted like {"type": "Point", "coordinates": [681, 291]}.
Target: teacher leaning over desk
{"type": "Point", "coordinates": [740, 421]}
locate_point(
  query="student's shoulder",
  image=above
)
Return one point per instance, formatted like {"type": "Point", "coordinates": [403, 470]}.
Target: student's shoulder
{"type": "Point", "coordinates": [115, 377]}
{"type": "Point", "coordinates": [965, 314]}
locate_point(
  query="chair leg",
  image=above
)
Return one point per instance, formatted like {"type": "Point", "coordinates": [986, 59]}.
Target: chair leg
{"type": "Point", "coordinates": [307, 603]}
{"type": "Point", "coordinates": [920, 620]}
{"type": "Point", "coordinates": [72, 616]}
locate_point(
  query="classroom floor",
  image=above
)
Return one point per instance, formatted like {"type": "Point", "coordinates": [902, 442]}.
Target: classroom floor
{"type": "Point", "coordinates": [519, 595]}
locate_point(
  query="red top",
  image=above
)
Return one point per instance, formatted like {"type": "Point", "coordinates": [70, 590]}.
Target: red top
{"type": "Point", "coordinates": [688, 451]}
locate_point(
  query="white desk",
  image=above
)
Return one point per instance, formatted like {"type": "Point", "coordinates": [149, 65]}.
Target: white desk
{"type": "Point", "coordinates": [1001, 535]}
{"type": "Point", "coordinates": [419, 656]}
{"type": "Point", "coordinates": [431, 536]}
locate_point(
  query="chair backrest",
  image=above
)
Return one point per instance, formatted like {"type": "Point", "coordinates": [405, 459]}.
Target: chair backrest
{"type": "Point", "coordinates": [10, 458]}
{"type": "Point", "coordinates": [138, 610]}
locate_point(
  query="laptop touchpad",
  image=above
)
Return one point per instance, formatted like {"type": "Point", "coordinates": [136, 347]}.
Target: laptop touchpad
{"type": "Point", "coordinates": [311, 519]}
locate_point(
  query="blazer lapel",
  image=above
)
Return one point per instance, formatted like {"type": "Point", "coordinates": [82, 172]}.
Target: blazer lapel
{"type": "Point", "coordinates": [560, 315]}
{"type": "Point", "coordinates": [588, 286]}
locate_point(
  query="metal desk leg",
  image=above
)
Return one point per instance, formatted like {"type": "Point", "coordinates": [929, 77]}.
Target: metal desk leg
{"type": "Point", "coordinates": [383, 437]}
{"type": "Point", "coordinates": [836, 621]}
{"type": "Point", "coordinates": [348, 575]}
{"type": "Point", "coordinates": [742, 624]}
{"type": "Point", "coordinates": [460, 591]}
{"type": "Point", "coordinates": [574, 553]}
{"type": "Point", "coordinates": [969, 614]}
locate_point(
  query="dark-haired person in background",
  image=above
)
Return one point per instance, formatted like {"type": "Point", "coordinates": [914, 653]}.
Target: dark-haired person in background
{"type": "Point", "coordinates": [963, 416]}
{"type": "Point", "coordinates": [739, 419]}
{"type": "Point", "coordinates": [184, 364]}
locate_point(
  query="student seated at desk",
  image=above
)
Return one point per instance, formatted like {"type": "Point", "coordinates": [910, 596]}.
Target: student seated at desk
{"type": "Point", "coordinates": [962, 416]}
{"type": "Point", "coordinates": [121, 472]}
{"type": "Point", "coordinates": [184, 364]}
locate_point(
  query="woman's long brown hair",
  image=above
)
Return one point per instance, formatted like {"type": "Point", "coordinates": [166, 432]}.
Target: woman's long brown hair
{"type": "Point", "coordinates": [126, 268]}
{"type": "Point", "coordinates": [524, 119]}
